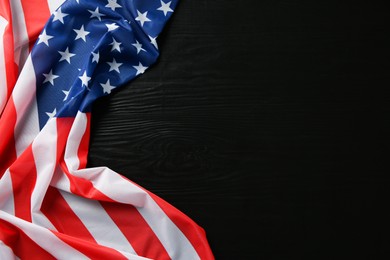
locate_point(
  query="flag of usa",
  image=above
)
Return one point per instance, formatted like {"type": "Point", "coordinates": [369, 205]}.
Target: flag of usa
{"type": "Point", "coordinates": [56, 58]}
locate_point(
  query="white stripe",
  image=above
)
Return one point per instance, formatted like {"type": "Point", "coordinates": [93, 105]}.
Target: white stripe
{"type": "Point", "coordinates": [131, 256]}
{"type": "Point", "coordinates": [6, 194]}
{"type": "Point", "coordinates": [98, 222]}
{"type": "Point", "coordinates": [21, 41]}
{"type": "Point", "coordinates": [44, 238]}
{"type": "Point", "coordinates": [6, 252]}
{"type": "Point", "coordinates": [60, 180]}
{"type": "Point", "coordinates": [44, 149]}
{"type": "Point", "coordinates": [27, 122]}
{"type": "Point", "coordinates": [54, 4]}
{"type": "Point", "coordinates": [74, 139]}
{"type": "Point", "coordinates": [3, 72]}
{"type": "Point", "coordinates": [167, 231]}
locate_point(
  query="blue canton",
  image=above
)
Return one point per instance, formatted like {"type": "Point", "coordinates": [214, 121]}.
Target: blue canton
{"type": "Point", "coordinates": [88, 48]}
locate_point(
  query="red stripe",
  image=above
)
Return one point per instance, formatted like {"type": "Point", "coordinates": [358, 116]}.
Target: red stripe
{"type": "Point", "coordinates": [57, 210]}
{"type": "Point", "coordinates": [22, 245]}
{"type": "Point", "coordinates": [23, 176]}
{"type": "Point", "coordinates": [136, 230]}
{"type": "Point", "coordinates": [91, 250]}
{"type": "Point", "coordinates": [36, 13]}
{"type": "Point", "coordinates": [8, 41]}
{"type": "Point", "coordinates": [5, 9]}
{"type": "Point", "coordinates": [194, 233]}
{"type": "Point", "coordinates": [64, 124]}
{"type": "Point", "coordinates": [7, 140]}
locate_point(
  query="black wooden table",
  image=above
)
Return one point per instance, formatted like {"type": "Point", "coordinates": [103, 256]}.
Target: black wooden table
{"type": "Point", "coordinates": [267, 122]}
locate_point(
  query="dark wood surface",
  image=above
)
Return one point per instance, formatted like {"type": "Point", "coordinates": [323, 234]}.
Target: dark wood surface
{"type": "Point", "coordinates": [266, 122]}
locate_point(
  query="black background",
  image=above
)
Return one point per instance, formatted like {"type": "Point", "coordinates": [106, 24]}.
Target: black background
{"type": "Point", "coordinates": [267, 123]}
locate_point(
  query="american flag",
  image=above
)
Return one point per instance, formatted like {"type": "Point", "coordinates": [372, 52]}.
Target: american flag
{"type": "Point", "coordinates": [56, 58]}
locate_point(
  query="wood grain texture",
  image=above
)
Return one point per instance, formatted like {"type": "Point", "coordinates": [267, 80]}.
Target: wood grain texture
{"type": "Point", "coordinates": [266, 122]}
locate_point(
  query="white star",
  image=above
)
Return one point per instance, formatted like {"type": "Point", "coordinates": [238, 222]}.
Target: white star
{"type": "Point", "coordinates": [96, 14]}
{"type": "Point", "coordinates": [165, 7]}
{"type": "Point", "coordinates": [84, 79]}
{"type": "Point", "coordinates": [111, 26]}
{"type": "Point", "coordinates": [107, 87]}
{"type": "Point", "coordinates": [81, 33]}
{"type": "Point", "coordinates": [142, 17]}
{"type": "Point", "coordinates": [44, 38]}
{"type": "Point", "coordinates": [59, 16]}
{"type": "Point", "coordinates": [114, 65]}
{"type": "Point", "coordinates": [66, 55]}
{"type": "Point", "coordinates": [50, 77]}
{"type": "Point", "coordinates": [95, 57]}
{"type": "Point", "coordinates": [52, 114]}
{"type": "Point", "coordinates": [113, 4]}
{"type": "Point", "coordinates": [66, 94]}
{"type": "Point", "coordinates": [153, 41]}
{"type": "Point", "coordinates": [115, 45]}
{"type": "Point", "coordinates": [138, 46]}
{"type": "Point", "coordinates": [140, 68]}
